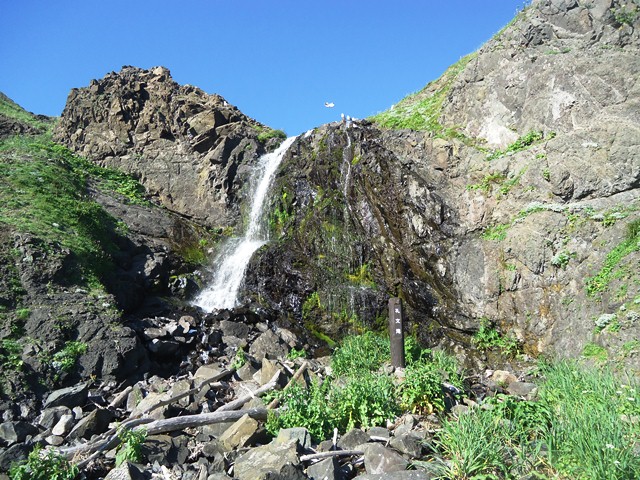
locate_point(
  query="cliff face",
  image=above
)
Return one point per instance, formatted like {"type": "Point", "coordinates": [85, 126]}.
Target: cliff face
{"type": "Point", "coordinates": [515, 205]}
{"type": "Point", "coordinates": [519, 209]}
{"type": "Point", "coordinates": [192, 151]}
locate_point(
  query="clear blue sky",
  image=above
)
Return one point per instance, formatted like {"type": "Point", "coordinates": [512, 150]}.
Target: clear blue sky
{"type": "Point", "coordinates": [276, 60]}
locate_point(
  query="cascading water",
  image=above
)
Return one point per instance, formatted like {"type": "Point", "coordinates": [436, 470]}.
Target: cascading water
{"type": "Point", "coordinates": [234, 258]}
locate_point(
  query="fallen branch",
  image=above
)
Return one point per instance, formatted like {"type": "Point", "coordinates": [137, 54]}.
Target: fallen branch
{"type": "Point", "coordinates": [118, 399]}
{"type": "Point", "coordinates": [242, 400]}
{"type": "Point", "coordinates": [197, 388]}
{"type": "Point", "coordinates": [274, 403]}
{"type": "Point", "coordinates": [154, 427]}
{"type": "Point", "coordinates": [332, 453]}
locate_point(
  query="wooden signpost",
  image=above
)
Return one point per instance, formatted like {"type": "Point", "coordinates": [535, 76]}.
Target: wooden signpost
{"type": "Point", "coordinates": [396, 332]}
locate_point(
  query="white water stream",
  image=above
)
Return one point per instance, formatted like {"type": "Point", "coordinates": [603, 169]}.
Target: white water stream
{"type": "Point", "coordinates": [232, 262]}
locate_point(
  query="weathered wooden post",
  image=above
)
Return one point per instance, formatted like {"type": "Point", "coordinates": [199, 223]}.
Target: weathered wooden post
{"type": "Point", "coordinates": [396, 332]}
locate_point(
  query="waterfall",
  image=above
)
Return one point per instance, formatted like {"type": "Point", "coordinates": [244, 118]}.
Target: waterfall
{"type": "Point", "coordinates": [233, 260]}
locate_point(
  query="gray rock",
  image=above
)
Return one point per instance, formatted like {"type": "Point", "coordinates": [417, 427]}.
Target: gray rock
{"type": "Point", "coordinates": [126, 471]}
{"type": "Point", "coordinates": [68, 397]}
{"type": "Point", "coordinates": [353, 438]}
{"type": "Point", "coordinates": [239, 434]}
{"type": "Point", "coordinates": [408, 444]}
{"type": "Point", "coordinates": [64, 425]}
{"type": "Point", "coordinates": [16, 431]}
{"type": "Point", "coordinates": [275, 461]}
{"type": "Point", "coordinates": [230, 328]}
{"type": "Point", "coordinates": [327, 469]}
{"type": "Point", "coordinates": [381, 460]}
{"type": "Point", "coordinates": [523, 389]}
{"type": "Point", "coordinates": [268, 345]}
{"type": "Point", "coordinates": [93, 423]}
{"type": "Point", "coordinates": [50, 416]}
{"type": "Point", "coordinates": [297, 434]}
{"type": "Point", "coordinates": [15, 453]}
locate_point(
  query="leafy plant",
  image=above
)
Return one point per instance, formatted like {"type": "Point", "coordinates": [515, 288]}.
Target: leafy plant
{"type": "Point", "coordinates": [487, 337]}
{"type": "Point", "coordinates": [42, 465]}
{"type": "Point", "coordinates": [561, 258]}
{"type": "Point", "coordinates": [631, 243]}
{"type": "Point", "coordinates": [362, 276]}
{"type": "Point", "coordinates": [65, 359]}
{"type": "Point", "coordinates": [295, 353]}
{"type": "Point", "coordinates": [523, 142]}
{"type": "Point", "coordinates": [239, 360]}
{"type": "Point", "coordinates": [360, 354]}
{"type": "Point", "coordinates": [497, 233]}
{"type": "Point", "coordinates": [130, 447]}
{"type": "Point", "coordinates": [421, 389]}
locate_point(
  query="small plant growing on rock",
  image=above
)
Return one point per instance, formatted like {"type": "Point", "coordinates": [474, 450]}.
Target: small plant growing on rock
{"type": "Point", "coordinates": [487, 338]}
{"type": "Point", "coordinates": [130, 447]}
{"type": "Point", "coordinates": [42, 465]}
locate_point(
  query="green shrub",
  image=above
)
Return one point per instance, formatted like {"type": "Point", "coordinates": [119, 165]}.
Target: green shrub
{"type": "Point", "coordinates": [421, 389]}
{"type": "Point", "coordinates": [301, 407]}
{"type": "Point", "coordinates": [487, 338]}
{"type": "Point", "coordinates": [130, 447]}
{"type": "Point", "coordinates": [360, 354]}
{"type": "Point", "coordinates": [44, 466]}
{"type": "Point", "coordinates": [65, 359]}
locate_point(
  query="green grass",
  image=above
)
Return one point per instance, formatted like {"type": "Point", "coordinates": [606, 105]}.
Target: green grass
{"type": "Point", "coordinates": [580, 427]}
{"type": "Point", "coordinates": [10, 109]}
{"type": "Point", "coordinates": [43, 191]}
{"type": "Point", "coordinates": [422, 110]}
{"type": "Point", "coordinates": [599, 282]}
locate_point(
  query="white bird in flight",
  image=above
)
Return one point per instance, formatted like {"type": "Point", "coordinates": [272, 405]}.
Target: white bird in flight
{"type": "Point", "coordinates": [329, 104]}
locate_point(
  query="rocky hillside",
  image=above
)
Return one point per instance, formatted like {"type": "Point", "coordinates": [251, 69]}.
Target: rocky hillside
{"type": "Point", "coordinates": [502, 195]}
{"type": "Point", "coordinates": [192, 151]}
{"type": "Point", "coordinates": [515, 207]}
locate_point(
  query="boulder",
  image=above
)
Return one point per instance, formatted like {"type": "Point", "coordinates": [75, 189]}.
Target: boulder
{"type": "Point", "coordinates": [274, 461]}
{"type": "Point", "coordinates": [68, 397]}
{"type": "Point", "coordinates": [381, 460]}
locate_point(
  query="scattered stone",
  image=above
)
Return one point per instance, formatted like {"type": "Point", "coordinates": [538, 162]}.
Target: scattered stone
{"type": "Point", "coordinates": [381, 460]}
{"type": "Point", "coordinates": [327, 469]}
{"type": "Point", "coordinates": [408, 444]}
{"type": "Point", "coordinates": [275, 461]}
{"type": "Point", "coordinates": [523, 389]}
{"type": "Point", "coordinates": [239, 434]}
{"type": "Point", "coordinates": [68, 397]}
{"type": "Point", "coordinates": [298, 434]}
{"type": "Point", "coordinates": [503, 378]}
{"type": "Point", "coordinates": [93, 423]}
{"type": "Point", "coordinates": [352, 439]}
{"type": "Point", "coordinates": [268, 345]}
{"type": "Point", "coordinates": [64, 425]}
{"type": "Point", "coordinates": [16, 431]}
{"type": "Point", "coordinates": [126, 471]}
{"type": "Point", "coordinates": [50, 416]}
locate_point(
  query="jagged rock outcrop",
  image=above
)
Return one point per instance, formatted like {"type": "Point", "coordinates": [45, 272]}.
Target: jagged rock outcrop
{"type": "Point", "coordinates": [192, 151]}
{"type": "Point", "coordinates": [527, 217]}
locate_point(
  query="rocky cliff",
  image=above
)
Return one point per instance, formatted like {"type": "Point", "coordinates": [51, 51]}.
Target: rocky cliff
{"type": "Point", "coordinates": [504, 194]}
{"type": "Point", "coordinates": [192, 151]}
{"type": "Point", "coordinates": [517, 207]}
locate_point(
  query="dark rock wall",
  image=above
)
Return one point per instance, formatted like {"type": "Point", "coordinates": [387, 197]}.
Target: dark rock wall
{"type": "Point", "coordinates": [191, 150]}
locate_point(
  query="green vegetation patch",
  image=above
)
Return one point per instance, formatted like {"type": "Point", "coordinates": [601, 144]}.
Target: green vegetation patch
{"type": "Point", "coordinates": [44, 466]}
{"type": "Point", "coordinates": [265, 133]}
{"type": "Point", "coordinates": [549, 437]}
{"type": "Point", "coordinates": [631, 243]}
{"type": "Point", "coordinates": [422, 110]}
{"type": "Point", "coordinates": [360, 394]}
{"type": "Point", "coordinates": [12, 110]}
{"type": "Point", "coordinates": [488, 338]}
{"type": "Point", "coordinates": [522, 143]}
